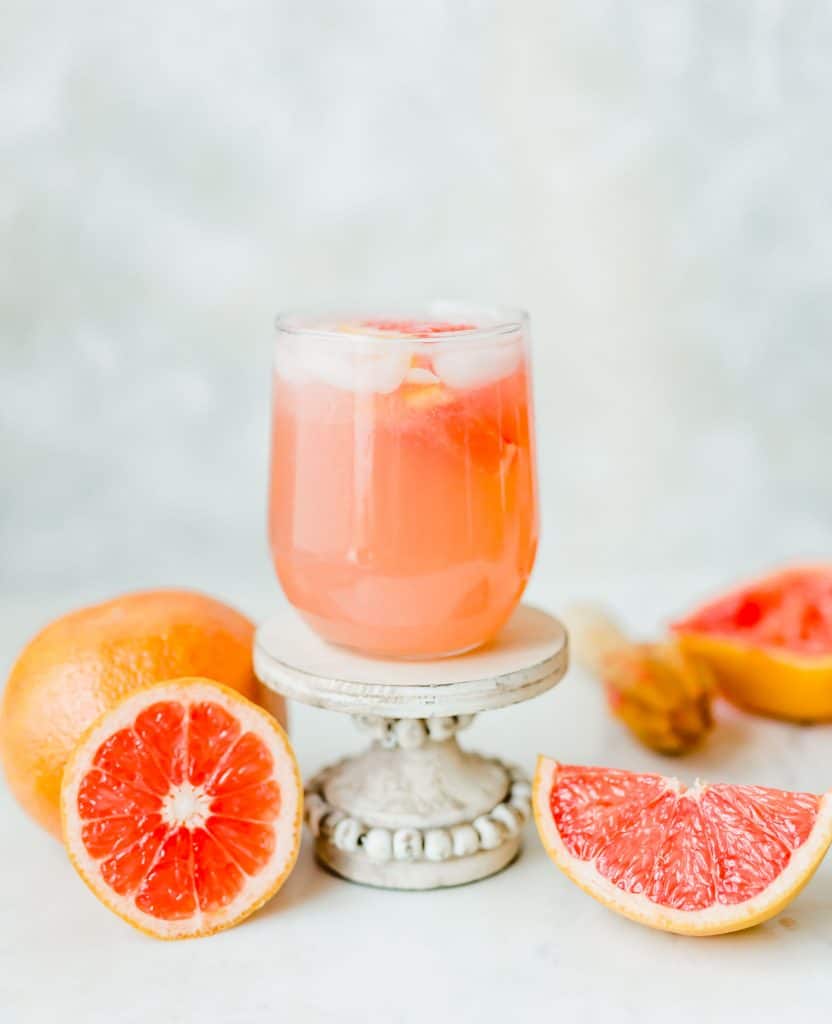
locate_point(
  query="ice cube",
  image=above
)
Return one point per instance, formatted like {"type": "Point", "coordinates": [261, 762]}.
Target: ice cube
{"type": "Point", "coordinates": [464, 366]}
{"type": "Point", "coordinates": [380, 371]}
{"type": "Point", "coordinates": [288, 364]}
{"type": "Point", "coordinates": [373, 369]}
{"type": "Point", "coordinates": [419, 375]}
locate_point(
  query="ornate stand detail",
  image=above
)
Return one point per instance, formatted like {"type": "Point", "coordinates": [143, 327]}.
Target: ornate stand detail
{"type": "Point", "coordinates": [415, 810]}
{"type": "Point", "coordinates": [409, 733]}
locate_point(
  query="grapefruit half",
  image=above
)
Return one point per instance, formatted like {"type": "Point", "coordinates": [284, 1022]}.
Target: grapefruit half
{"type": "Point", "coordinates": [697, 861]}
{"type": "Point", "coordinates": [769, 643]}
{"type": "Point", "coordinates": [181, 808]}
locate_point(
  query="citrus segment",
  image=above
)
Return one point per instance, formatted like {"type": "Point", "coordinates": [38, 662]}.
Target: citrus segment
{"type": "Point", "coordinates": [181, 808]}
{"type": "Point", "coordinates": [700, 860]}
{"type": "Point", "coordinates": [769, 644]}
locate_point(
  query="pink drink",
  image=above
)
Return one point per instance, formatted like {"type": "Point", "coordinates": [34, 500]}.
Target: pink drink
{"type": "Point", "coordinates": [403, 515]}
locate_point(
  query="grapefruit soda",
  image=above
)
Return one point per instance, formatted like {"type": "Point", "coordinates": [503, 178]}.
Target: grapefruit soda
{"type": "Point", "coordinates": [403, 508]}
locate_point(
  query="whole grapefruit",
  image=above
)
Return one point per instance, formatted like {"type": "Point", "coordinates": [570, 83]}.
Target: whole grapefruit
{"type": "Point", "coordinates": [83, 663]}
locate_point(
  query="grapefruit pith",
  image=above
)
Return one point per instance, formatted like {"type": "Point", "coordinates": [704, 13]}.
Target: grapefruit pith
{"type": "Point", "coordinates": [697, 861]}
{"type": "Point", "coordinates": [769, 643]}
{"type": "Point", "coordinates": [181, 808]}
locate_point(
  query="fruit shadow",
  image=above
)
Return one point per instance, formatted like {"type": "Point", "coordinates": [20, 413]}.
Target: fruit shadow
{"type": "Point", "coordinates": [811, 911]}
{"type": "Point", "coordinates": [308, 881]}
{"type": "Point", "coordinates": [805, 919]}
{"type": "Point", "coordinates": [742, 740]}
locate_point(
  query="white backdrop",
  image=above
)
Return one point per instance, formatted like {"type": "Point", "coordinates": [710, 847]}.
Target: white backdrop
{"type": "Point", "coordinates": [652, 181]}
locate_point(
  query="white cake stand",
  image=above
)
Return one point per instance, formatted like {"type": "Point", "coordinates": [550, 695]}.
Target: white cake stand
{"type": "Point", "coordinates": [415, 810]}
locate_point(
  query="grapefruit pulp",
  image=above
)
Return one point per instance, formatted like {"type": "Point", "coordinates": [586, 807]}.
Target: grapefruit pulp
{"type": "Point", "coordinates": [769, 644]}
{"type": "Point", "coordinates": [697, 861]}
{"type": "Point", "coordinates": [181, 808]}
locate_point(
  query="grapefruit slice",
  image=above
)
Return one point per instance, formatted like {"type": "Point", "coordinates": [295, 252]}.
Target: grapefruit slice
{"type": "Point", "coordinates": [769, 643]}
{"type": "Point", "coordinates": [697, 861]}
{"type": "Point", "coordinates": [181, 808]}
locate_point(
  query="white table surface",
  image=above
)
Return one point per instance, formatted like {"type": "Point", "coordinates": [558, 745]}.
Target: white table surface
{"type": "Point", "coordinates": [526, 942]}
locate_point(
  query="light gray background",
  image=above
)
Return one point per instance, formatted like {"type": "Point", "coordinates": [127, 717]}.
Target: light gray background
{"type": "Point", "coordinates": [652, 181]}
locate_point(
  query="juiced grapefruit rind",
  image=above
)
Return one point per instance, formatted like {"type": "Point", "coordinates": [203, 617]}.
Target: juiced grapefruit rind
{"type": "Point", "coordinates": [768, 682]}
{"type": "Point", "coordinates": [783, 669]}
{"type": "Point", "coordinates": [714, 920]}
{"type": "Point", "coordinates": [287, 823]}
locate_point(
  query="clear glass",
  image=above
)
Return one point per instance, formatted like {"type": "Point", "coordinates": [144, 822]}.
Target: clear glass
{"type": "Point", "coordinates": [403, 503]}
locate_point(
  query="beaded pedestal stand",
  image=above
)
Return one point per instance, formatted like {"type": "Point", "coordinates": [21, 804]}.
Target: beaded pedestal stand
{"type": "Point", "coordinates": [415, 810]}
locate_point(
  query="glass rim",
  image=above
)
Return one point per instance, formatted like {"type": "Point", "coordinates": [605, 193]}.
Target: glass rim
{"type": "Point", "coordinates": [305, 322]}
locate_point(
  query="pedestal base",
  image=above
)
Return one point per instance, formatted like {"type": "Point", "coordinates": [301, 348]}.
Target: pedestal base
{"type": "Point", "coordinates": [415, 811]}
{"type": "Point", "coordinates": [421, 875]}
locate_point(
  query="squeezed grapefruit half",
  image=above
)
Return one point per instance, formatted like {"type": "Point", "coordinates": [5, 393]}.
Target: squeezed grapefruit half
{"type": "Point", "coordinates": [769, 643]}
{"type": "Point", "coordinates": [696, 861]}
{"type": "Point", "coordinates": [181, 808]}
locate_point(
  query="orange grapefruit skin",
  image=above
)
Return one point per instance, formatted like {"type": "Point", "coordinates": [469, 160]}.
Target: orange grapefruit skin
{"type": "Point", "coordinates": [774, 683]}
{"type": "Point", "coordinates": [84, 662]}
{"type": "Point", "coordinates": [768, 680]}
{"type": "Point", "coordinates": [665, 919]}
{"type": "Point", "coordinates": [80, 758]}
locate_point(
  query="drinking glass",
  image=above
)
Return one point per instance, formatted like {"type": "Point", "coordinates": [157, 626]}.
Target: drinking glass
{"type": "Point", "coordinates": [403, 507]}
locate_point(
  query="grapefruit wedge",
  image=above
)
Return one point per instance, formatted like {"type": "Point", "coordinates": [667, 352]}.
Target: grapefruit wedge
{"type": "Point", "coordinates": [769, 643]}
{"type": "Point", "coordinates": [181, 808]}
{"type": "Point", "coordinates": [697, 861]}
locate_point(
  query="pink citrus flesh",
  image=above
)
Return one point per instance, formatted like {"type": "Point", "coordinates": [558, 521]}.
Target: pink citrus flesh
{"type": "Point", "coordinates": [181, 808]}
{"type": "Point", "coordinates": [699, 860]}
{"type": "Point", "coordinates": [789, 611]}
